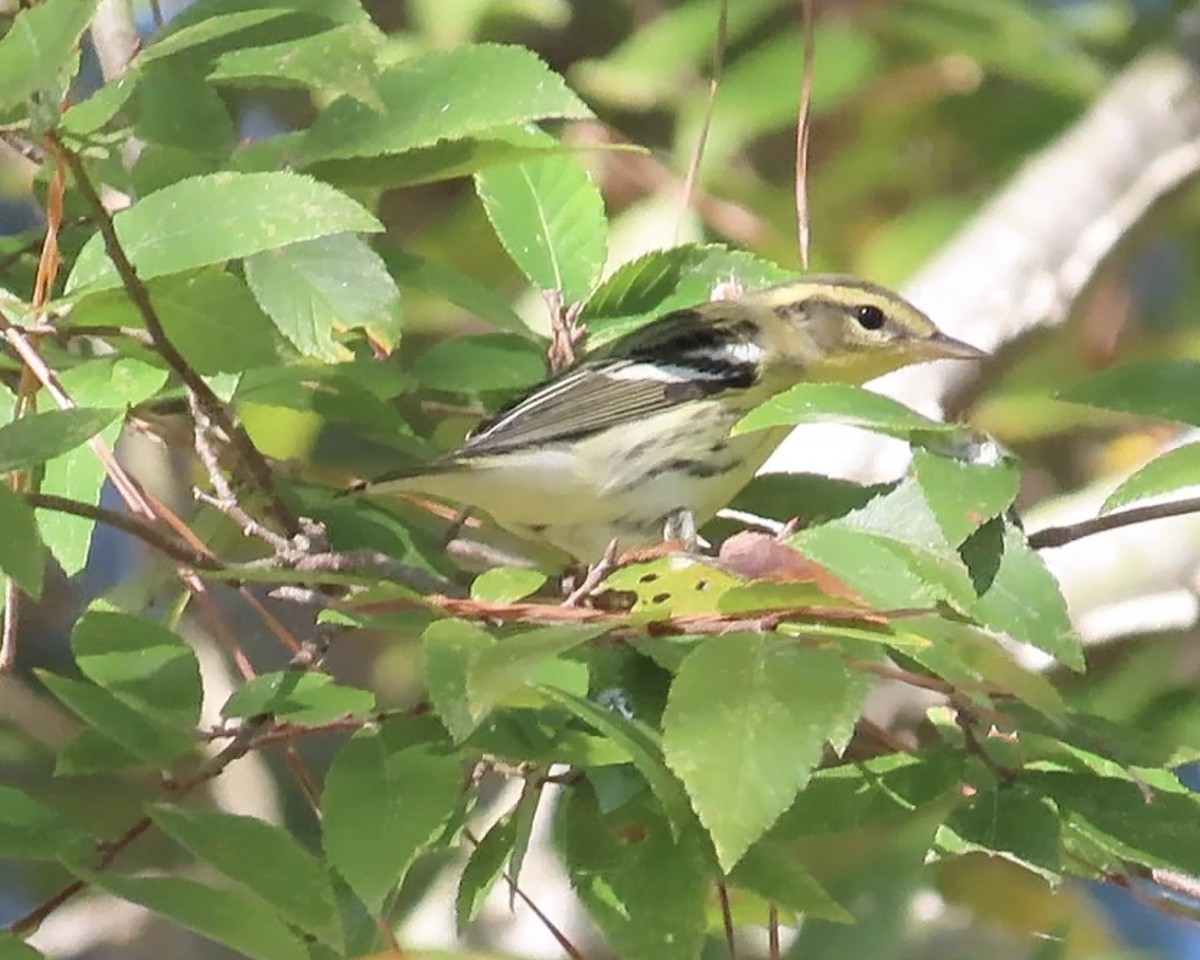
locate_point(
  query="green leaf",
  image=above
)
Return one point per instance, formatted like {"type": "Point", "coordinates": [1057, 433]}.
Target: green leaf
{"type": "Point", "coordinates": [223, 216]}
{"type": "Point", "coordinates": [1018, 595]}
{"type": "Point", "coordinates": [639, 744]}
{"type": "Point", "coordinates": [517, 660]}
{"type": "Point", "coordinates": [1165, 389]}
{"type": "Point", "coordinates": [879, 792]}
{"type": "Point", "coordinates": [463, 291]}
{"type": "Point", "coordinates": [141, 663]}
{"type": "Point", "coordinates": [336, 62]}
{"type": "Point", "coordinates": [79, 474]}
{"type": "Point", "coordinates": [243, 923]}
{"type": "Point", "coordinates": [669, 280]}
{"type": "Point", "coordinates": [154, 742]}
{"type": "Point", "coordinates": [550, 218]}
{"type": "Point", "coordinates": [443, 96]}
{"type": "Point", "coordinates": [208, 315]}
{"type": "Point", "coordinates": [772, 871]}
{"type": "Point", "coordinates": [1013, 822]}
{"type": "Point", "coordinates": [304, 289]}
{"type": "Point", "coordinates": [1156, 829]}
{"type": "Point", "coordinates": [205, 127]}
{"type": "Point", "coordinates": [963, 653]}
{"type": "Point", "coordinates": [473, 365]}
{"type": "Point", "coordinates": [407, 795]}
{"type": "Point", "coordinates": [182, 34]}
{"type": "Point", "coordinates": [265, 859]}
{"type": "Point", "coordinates": [892, 552]}
{"type": "Point", "coordinates": [737, 706]}
{"type": "Point", "coordinates": [298, 697]}
{"type": "Point", "coordinates": [653, 63]}
{"type": "Point", "coordinates": [22, 553]}
{"type": "Point", "coordinates": [90, 115]}
{"type": "Point", "coordinates": [30, 830]}
{"type": "Point", "coordinates": [1173, 470]}
{"type": "Point", "coordinates": [963, 496]}
{"type": "Point", "coordinates": [39, 49]}
{"type": "Point", "coordinates": [506, 584]}
{"type": "Point", "coordinates": [39, 437]}
{"type": "Point", "coordinates": [90, 751]}
{"type": "Point", "coordinates": [14, 949]}
{"type": "Point", "coordinates": [446, 160]}
{"type": "Point", "coordinates": [643, 886]}
{"type": "Point", "coordinates": [449, 647]}
{"type": "Point", "coordinates": [522, 816]}
{"type": "Point", "coordinates": [838, 403]}
{"type": "Point", "coordinates": [483, 869]}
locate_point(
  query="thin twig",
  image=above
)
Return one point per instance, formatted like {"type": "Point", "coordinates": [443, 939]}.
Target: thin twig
{"type": "Point", "coordinates": [803, 123]}
{"type": "Point", "coordinates": [12, 621]}
{"type": "Point", "coordinates": [964, 717]}
{"type": "Point", "coordinates": [773, 931]}
{"type": "Point", "coordinates": [727, 918]}
{"type": "Point", "coordinates": [225, 500]}
{"type": "Point", "coordinates": [136, 526]}
{"type": "Point", "coordinates": [249, 457]}
{"type": "Point", "coordinates": [568, 947]}
{"type": "Point", "coordinates": [1058, 536]}
{"type": "Point", "coordinates": [595, 576]}
{"type": "Point", "coordinates": [714, 84]}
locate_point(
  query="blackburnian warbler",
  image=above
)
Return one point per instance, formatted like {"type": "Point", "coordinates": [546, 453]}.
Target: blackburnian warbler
{"type": "Point", "coordinates": [633, 444]}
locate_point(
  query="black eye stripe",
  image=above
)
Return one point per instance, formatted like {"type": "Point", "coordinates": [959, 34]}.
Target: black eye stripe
{"type": "Point", "coordinates": [869, 316]}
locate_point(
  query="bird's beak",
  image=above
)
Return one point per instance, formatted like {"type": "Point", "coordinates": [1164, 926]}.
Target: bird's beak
{"type": "Point", "coordinates": [942, 347]}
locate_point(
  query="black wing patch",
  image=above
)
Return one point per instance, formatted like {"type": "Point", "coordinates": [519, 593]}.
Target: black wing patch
{"type": "Point", "coordinates": [684, 356]}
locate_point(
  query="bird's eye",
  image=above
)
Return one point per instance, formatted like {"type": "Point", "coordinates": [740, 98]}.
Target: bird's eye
{"type": "Point", "coordinates": [869, 317]}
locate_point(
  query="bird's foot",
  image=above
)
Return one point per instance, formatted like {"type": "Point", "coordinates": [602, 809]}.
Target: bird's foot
{"type": "Point", "coordinates": [595, 576]}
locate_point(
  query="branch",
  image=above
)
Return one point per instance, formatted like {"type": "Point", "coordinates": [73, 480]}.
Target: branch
{"type": "Point", "coordinates": [254, 463]}
{"type": "Point", "coordinates": [1059, 536]}
{"type": "Point", "coordinates": [136, 526]}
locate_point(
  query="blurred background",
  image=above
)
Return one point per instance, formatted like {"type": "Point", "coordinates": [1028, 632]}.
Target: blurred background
{"type": "Point", "coordinates": [923, 110]}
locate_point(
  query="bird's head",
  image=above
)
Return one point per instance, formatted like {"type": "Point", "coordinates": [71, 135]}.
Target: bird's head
{"type": "Point", "coordinates": [844, 329]}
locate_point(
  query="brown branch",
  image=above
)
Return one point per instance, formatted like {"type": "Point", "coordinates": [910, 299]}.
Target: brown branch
{"type": "Point", "coordinates": [699, 623]}
{"type": "Point", "coordinates": [249, 457]}
{"type": "Point", "coordinates": [129, 523]}
{"type": "Point", "coordinates": [727, 919]}
{"type": "Point", "coordinates": [1059, 536]}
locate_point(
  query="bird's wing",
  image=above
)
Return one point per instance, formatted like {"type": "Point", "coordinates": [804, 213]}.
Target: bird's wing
{"type": "Point", "coordinates": [672, 360]}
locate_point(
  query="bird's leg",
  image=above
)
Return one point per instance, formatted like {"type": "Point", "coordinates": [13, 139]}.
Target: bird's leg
{"type": "Point", "coordinates": [595, 576]}
{"type": "Point", "coordinates": [680, 526]}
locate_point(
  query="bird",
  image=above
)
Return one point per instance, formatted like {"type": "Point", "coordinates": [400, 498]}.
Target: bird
{"type": "Point", "coordinates": [633, 445]}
